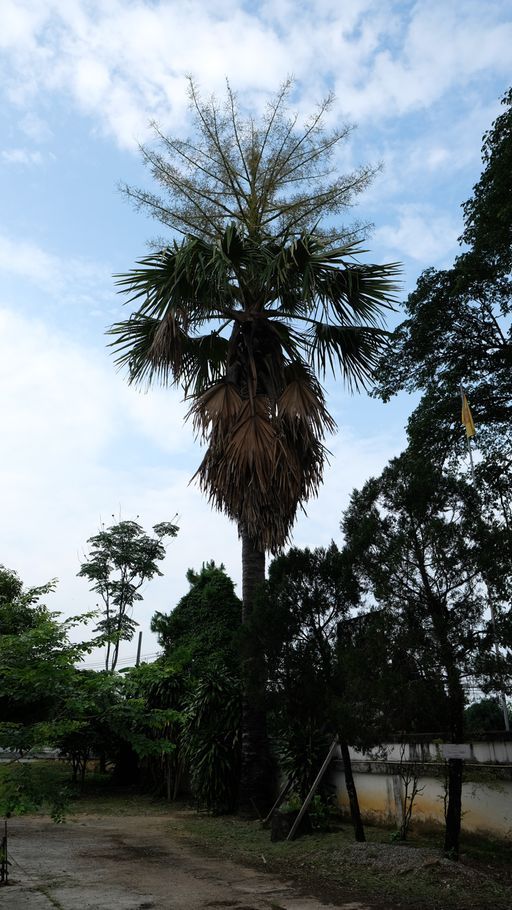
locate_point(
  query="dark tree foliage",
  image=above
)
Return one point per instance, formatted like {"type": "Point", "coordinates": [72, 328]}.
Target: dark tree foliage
{"type": "Point", "coordinates": [309, 593]}
{"type": "Point", "coordinates": [148, 721]}
{"type": "Point", "coordinates": [390, 691]}
{"type": "Point", "coordinates": [201, 645]}
{"type": "Point", "coordinates": [458, 330]}
{"type": "Point", "coordinates": [83, 727]}
{"type": "Point", "coordinates": [488, 214]}
{"type": "Point", "coordinates": [36, 662]}
{"type": "Point", "coordinates": [39, 701]}
{"type": "Point", "coordinates": [412, 536]}
{"type": "Point", "coordinates": [203, 628]}
{"type": "Point", "coordinates": [211, 740]}
{"type": "Point", "coordinates": [11, 587]}
{"type": "Point", "coordinates": [484, 717]}
{"type": "Point", "coordinates": [458, 327]}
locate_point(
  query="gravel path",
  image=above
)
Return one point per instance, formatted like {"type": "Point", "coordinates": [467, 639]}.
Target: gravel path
{"type": "Point", "coordinates": [133, 863]}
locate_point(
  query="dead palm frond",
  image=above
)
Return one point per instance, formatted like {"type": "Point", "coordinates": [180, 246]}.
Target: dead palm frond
{"type": "Point", "coordinates": [248, 328]}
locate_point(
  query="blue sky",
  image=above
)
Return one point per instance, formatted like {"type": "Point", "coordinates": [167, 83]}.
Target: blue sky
{"type": "Point", "coordinates": [79, 82]}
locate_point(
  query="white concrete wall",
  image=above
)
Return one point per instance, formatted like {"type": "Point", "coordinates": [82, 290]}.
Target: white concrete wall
{"type": "Point", "coordinates": [492, 752]}
{"type": "Point", "coordinates": [486, 803]}
{"type": "Point", "coordinates": [485, 807]}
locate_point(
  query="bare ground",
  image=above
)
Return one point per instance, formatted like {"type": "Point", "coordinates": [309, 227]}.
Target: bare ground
{"type": "Point", "coordinates": [135, 863]}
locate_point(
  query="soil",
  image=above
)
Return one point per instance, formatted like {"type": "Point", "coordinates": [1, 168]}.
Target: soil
{"type": "Point", "coordinates": [136, 863]}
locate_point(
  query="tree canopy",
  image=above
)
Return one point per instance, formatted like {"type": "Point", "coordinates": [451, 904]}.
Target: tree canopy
{"type": "Point", "coordinates": [413, 537]}
{"type": "Point", "coordinates": [272, 179]}
{"type": "Point", "coordinates": [458, 327]}
{"type": "Point", "coordinates": [121, 559]}
{"type": "Point", "coordinates": [37, 662]}
{"type": "Point", "coordinates": [256, 304]}
{"type": "Point", "coordinates": [203, 627]}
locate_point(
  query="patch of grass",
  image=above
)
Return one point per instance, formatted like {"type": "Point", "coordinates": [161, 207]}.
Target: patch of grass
{"type": "Point", "coordinates": [100, 796]}
{"type": "Point", "coordinates": [327, 864]}
{"type": "Point", "coordinates": [121, 801]}
{"type": "Point", "coordinates": [476, 850]}
{"type": "Point", "coordinates": [45, 773]}
{"type": "Point", "coordinates": [489, 852]}
{"type": "Point", "coordinates": [35, 788]}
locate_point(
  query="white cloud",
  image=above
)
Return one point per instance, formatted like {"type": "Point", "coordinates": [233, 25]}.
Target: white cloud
{"type": "Point", "coordinates": [33, 126]}
{"type": "Point", "coordinates": [422, 233]}
{"type": "Point", "coordinates": [426, 50]}
{"type": "Point", "coordinates": [125, 63]}
{"type": "Point", "coordinates": [79, 445]}
{"type": "Point", "coordinates": [49, 271]}
{"type": "Point", "coordinates": [21, 156]}
{"type": "Point", "coordinates": [355, 458]}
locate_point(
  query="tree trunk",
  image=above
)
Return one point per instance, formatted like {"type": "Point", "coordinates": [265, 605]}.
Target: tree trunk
{"type": "Point", "coordinates": [455, 765]}
{"type": "Point", "coordinates": [355, 813]}
{"type": "Point", "coordinates": [83, 769]}
{"type": "Point", "coordinates": [440, 621]}
{"type": "Point", "coordinates": [454, 811]}
{"type": "Point", "coordinates": [256, 790]}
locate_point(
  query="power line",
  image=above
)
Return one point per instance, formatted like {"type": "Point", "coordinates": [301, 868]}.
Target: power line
{"type": "Point", "coordinates": [148, 658]}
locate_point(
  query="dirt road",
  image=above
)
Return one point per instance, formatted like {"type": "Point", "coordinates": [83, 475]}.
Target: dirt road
{"type": "Point", "coordinates": [133, 863]}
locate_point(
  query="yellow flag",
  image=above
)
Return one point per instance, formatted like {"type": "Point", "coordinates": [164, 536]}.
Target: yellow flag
{"type": "Point", "coordinates": [467, 419]}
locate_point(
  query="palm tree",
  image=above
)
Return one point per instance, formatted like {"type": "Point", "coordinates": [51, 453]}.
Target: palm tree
{"type": "Point", "coordinates": [248, 312]}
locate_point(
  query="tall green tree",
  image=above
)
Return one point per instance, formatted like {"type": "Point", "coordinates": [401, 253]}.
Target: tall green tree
{"type": "Point", "coordinates": [202, 629]}
{"type": "Point", "coordinates": [309, 595]}
{"type": "Point", "coordinates": [201, 641]}
{"type": "Point", "coordinates": [248, 312]}
{"type": "Point", "coordinates": [412, 537]}
{"type": "Point", "coordinates": [36, 661]}
{"type": "Point", "coordinates": [82, 727]}
{"type": "Point", "coordinates": [458, 329]}
{"type": "Point", "coordinates": [37, 676]}
{"type": "Point", "coordinates": [121, 559]}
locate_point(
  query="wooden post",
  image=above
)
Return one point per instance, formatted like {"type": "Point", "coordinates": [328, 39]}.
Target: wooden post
{"type": "Point", "coordinates": [279, 800]}
{"type": "Point", "coordinates": [313, 790]}
{"type": "Point", "coordinates": [4, 861]}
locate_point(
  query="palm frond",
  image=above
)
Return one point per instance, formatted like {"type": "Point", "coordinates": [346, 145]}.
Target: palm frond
{"type": "Point", "coordinates": [252, 444]}
{"type": "Point", "coordinates": [216, 411]}
{"type": "Point", "coordinates": [311, 279]}
{"type": "Point", "coordinates": [247, 327]}
{"type": "Point", "coordinates": [353, 351]}
{"type": "Point", "coordinates": [355, 293]}
{"type": "Point", "coordinates": [203, 362]}
{"type": "Point", "coordinates": [300, 405]}
{"type": "Point", "coordinates": [135, 348]}
{"type": "Point", "coordinates": [193, 276]}
{"type": "Point", "coordinates": [259, 463]}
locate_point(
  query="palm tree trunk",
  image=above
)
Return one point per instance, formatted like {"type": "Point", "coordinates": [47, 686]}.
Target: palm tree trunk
{"type": "Point", "coordinates": [256, 790]}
